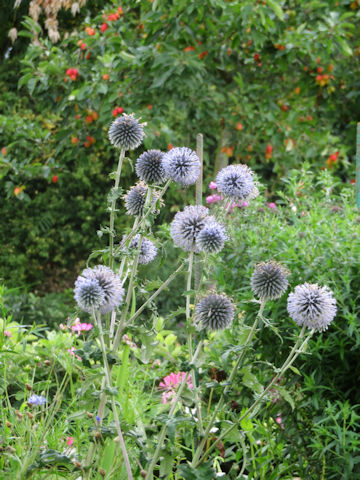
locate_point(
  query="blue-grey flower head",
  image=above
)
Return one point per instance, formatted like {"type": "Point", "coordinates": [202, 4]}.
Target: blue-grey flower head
{"type": "Point", "coordinates": [109, 283]}
{"type": "Point", "coordinates": [269, 280]}
{"type": "Point", "coordinates": [182, 165]}
{"type": "Point", "coordinates": [136, 197]}
{"type": "Point", "coordinates": [235, 182]}
{"type": "Point", "coordinates": [211, 238]}
{"type": "Point", "coordinates": [312, 306]}
{"type": "Point", "coordinates": [148, 250]}
{"type": "Point", "coordinates": [37, 399]}
{"type": "Point", "coordinates": [214, 312]}
{"type": "Point", "coordinates": [126, 132]}
{"type": "Point", "coordinates": [187, 225]}
{"type": "Point", "coordinates": [149, 167]}
{"type": "Point", "coordinates": [88, 294]}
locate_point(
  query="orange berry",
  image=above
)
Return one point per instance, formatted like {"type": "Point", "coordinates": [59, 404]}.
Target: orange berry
{"type": "Point", "coordinates": [94, 115]}
{"type": "Point", "coordinates": [3, 150]}
{"type": "Point", "coordinates": [89, 119]}
{"type": "Point", "coordinates": [75, 140]}
{"type": "Point", "coordinates": [297, 90]}
{"type": "Point", "coordinates": [83, 46]}
{"type": "Point", "coordinates": [106, 76]}
{"type": "Point", "coordinates": [17, 190]}
{"type": "Point", "coordinates": [239, 126]}
{"type": "Point", "coordinates": [330, 67]}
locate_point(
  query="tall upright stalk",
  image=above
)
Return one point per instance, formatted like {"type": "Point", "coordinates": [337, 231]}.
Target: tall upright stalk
{"type": "Point", "coordinates": [295, 351]}
{"type": "Point", "coordinates": [113, 208]}
{"type": "Point", "coordinates": [113, 404]}
{"type": "Point", "coordinates": [235, 368]}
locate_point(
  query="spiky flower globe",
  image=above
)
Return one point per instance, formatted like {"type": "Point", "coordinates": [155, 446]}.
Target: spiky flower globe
{"type": "Point", "coordinates": [149, 167]}
{"type": "Point", "coordinates": [88, 294]}
{"type": "Point", "coordinates": [136, 197]}
{"type": "Point", "coordinates": [182, 165]}
{"type": "Point", "coordinates": [211, 238]}
{"type": "Point", "coordinates": [312, 306]}
{"type": "Point", "coordinates": [148, 250]}
{"type": "Point", "coordinates": [188, 224]}
{"type": "Point", "coordinates": [98, 288]}
{"type": "Point", "coordinates": [269, 280]}
{"type": "Point", "coordinates": [236, 182]}
{"type": "Point", "coordinates": [126, 132]}
{"type": "Point", "coordinates": [214, 312]}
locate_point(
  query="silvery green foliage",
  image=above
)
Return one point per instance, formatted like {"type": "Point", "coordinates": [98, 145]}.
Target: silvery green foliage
{"type": "Point", "coordinates": [88, 294]}
{"type": "Point", "coordinates": [126, 132]}
{"type": "Point", "coordinates": [215, 312]}
{"type": "Point", "coordinates": [187, 225]}
{"type": "Point", "coordinates": [110, 286]}
{"type": "Point", "coordinates": [182, 165]}
{"type": "Point", "coordinates": [211, 238]}
{"type": "Point", "coordinates": [312, 306]}
{"type": "Point", "coordinates": [236, 182]}
{"type": "Point", "coordinates": [148, 250]}
{"type": "Point", "coordinates": [269, 280]}
{"type": "Point", "coordinates": [149, 167]}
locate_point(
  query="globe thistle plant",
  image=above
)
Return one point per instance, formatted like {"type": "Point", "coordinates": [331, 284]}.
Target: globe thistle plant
{"type": "Point", "coordinates": [182, 165]}
{"type": "Point", "coordinates": [126, 132]}
{"type": "Point", "coordinates": [269, 280]}
{"type": "Point", "coordinates": [211, 238]}
{"type": "Point", "coordinates": [312, 306]}
{"type": "Point", "coordinates": [214, 312]}
{"type": "Point", "coordinates": [148, 250]}
{"type": "Point", "coordinates": [235, 182]}
{"type": "Point", "coordinates": [112, 292]}
{"type": "Point", "coordinates": [88, 294]}
{"type": "Point", "coordinates": [149, 167]}
{"type": "Point", "coordinates": [135, 199]}
{"type": "Point", "coordinates": [188, 224]}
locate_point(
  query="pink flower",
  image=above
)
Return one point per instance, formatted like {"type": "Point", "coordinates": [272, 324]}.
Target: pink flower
{"type": "Point", "coordinates": [127, 340]}
{"type": "Point", "coordinates": [212, 186]}
{"type": "Point", "coordinates": [7, 333]}
{"type": "Point", "coordinates": [170, 382]}
{"type": "Point", "coordinates": [81, 327]}
{"type": "Point", "coordinates": [73, 354]}
{"type": "Point", "coordinates": [272, 205]}
{"type": "Point", "coordinates": [213, 198]}
{"type": "Point", "coordinates": [278, 420]}
{"type": "Point", "coordinates": [69, 441]}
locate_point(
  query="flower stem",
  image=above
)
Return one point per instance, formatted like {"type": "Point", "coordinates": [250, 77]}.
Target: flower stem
{"type": "Point", "coordinates": [162, 435]}
{"type": "Point", "coordinates": [113, 404]}
{"type": "Point", "coordinates": [113, 208]}
{"type": "Point", "coordinates": [288, 362]}
{"type": "Point", "coordinates": [236, 366]}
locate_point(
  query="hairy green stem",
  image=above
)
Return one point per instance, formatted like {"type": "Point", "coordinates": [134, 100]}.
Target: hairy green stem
{"type": "Point", "coordinates": [295, 351]}
{"type": "Point", "coordinates": [235, 368]}
{"type": "Point", "coordinates": [113, 404]}
{"type": "Point", "coordinates": [162, 435]}
{"type": "Point", "coordinates": [113, 209]}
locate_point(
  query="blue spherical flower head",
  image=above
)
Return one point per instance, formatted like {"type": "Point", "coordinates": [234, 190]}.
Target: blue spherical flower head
{"type": "Point", "coordinates": [148, 250]}
{"type": "Point", "coordinates": [37, 400]}
{"type": "Point", "coordinates": [110, 284]}
{"type": "Point", "coordinates": [214, 312]}
{"type": "Point", "coordinates": [188, 224]}
{"type": "Point", "coordinates": [211, 238]}
{"type": "Point", "coordinates": [126, 132]}
{"type": "Point", "coordinates": [269, 280]}
{"type": "Point", "coordinates": [182, 165]}
{"type": "Point", "coordinates": [312, 306]}
{"type": "Point", "coordinates": [136, 197]}
{"type": "Point", "coordinates": [88, 294]}
{"type": "Point", "coordinates": [235, 182]}
{"type": "Point", "coordinates": [149, 167]}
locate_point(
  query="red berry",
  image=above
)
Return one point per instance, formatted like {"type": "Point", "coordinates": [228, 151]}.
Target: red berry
{"type": "Point", "coordinates": [55, 178]}
{"type": "Point", "coordinates": [104, 27]}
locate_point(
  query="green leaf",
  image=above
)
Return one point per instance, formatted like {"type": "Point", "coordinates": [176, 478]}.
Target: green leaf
{"type": "Point", "coordinates": [277, 9]}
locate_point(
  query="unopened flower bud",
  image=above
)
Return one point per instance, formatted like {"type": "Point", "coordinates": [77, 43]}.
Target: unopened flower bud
{"type": "Point", "coordinates": [90, 415]}
{"type": "Point", "coordinates": [28, 387]}
{"type": "Point", "coordinates": [18, 414]}
{"type": "Point", "coordinates": [143, 473]}
{"type": "Point", "coordinates": [102, 472]}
